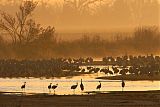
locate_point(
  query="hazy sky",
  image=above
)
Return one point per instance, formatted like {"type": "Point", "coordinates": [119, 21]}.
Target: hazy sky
{"type": "Point", "coordinates": [113, 14]}
{"type": "Point", "coordinates": [52, 1]}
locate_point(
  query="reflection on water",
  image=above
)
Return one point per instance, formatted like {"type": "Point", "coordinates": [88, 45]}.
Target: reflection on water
{"type": "Point", "coordinates": [36, 85]}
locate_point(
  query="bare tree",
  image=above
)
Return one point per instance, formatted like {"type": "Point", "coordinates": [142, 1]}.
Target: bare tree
{"type": "Point", "coordinates": [138, 9]}
{"type": "Point", "coordinates": [16, 26]}
{"type": "Point", "coordinates": [82, 5]}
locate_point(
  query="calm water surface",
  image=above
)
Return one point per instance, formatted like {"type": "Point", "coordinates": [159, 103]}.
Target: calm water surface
{"type": "Point", "coordinates": [37, 85]}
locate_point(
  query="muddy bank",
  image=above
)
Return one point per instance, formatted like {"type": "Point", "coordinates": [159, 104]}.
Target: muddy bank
{"type": "Point", "coordinates": [132, 77]}
{"type": "Point", "coordinates": [113, 99]}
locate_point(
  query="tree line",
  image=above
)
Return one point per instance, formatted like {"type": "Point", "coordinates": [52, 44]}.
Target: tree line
{"type": "Point", "coordinates": [28, 39]}
{"type": "Point", "coordinates": [109, 13]}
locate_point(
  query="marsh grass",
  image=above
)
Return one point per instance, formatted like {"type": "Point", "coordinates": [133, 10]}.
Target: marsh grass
{"type": "Point", "coordinates": [144, 40]}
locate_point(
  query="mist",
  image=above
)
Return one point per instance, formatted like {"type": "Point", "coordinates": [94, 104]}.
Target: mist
{"type": "Point", "coordinates": [80, 28]}
{"type": "Point", "coordinates": [95, 16]}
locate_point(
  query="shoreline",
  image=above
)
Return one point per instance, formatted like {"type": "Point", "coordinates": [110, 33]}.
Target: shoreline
{"type": "Point", "coordinates": [129, 77]}
{"type": "Point", "coordinates": [132, 77]}
{"type": "Point", "coordinates": [112, 99]}
{"type": "Point", "coordinates": [48, 77]}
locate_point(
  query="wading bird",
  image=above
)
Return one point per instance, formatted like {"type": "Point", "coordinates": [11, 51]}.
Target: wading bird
{"type": "Point", "coordinates": [49, 87]}
{"type": "Point", "coordinates": [81, 86]}
{"type": "Point", "coordinates": [99, 86]}
{"type": "Point", "coordinates": [123, 84]}
{"type": "Point", "coordinates": [23, 86]}
{"type": "Point", "coordinates": [73, 87]}
{"type": "Point", "coordinates": [54, 87]}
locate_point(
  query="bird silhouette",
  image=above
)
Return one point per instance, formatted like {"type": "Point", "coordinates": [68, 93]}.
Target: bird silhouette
{"type": "Point", "coordinates": [81, 86]}
{"type": "Point", "coordinates": [54, 87]}
{"type": "Point", "coordinates": [49, 87]}
{"type": "Point", "coordinates": [23, 86]}
{"type": "Point", "coordinates": [73, 87]}
{"type": "Point", "coordinates": [123, 84]}
{"type": "Point", "coordinates": [99, 86]}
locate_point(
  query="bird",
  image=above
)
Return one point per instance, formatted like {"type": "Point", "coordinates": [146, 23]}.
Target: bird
{"type": "Point", "coordinates": [54, 87]}
{"type": "Point", "coordinates": [81, 86]}
{"type": "Point", "coordinates": [23, 86]}
{"type": "Point", "coordinates": [73, 87]}
{"type": "Point", "coordinates": [50, 86]}
{"type": "Point", "coordinates": [99, 86]}
{"type": "Point", "coordinates": [123, 84]}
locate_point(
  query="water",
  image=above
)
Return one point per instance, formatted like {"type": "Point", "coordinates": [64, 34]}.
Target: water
{"type": "Point", "coordinates": [37, 85]}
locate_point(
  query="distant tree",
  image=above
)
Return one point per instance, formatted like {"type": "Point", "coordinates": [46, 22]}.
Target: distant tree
{"type": "Point", "coordinates": [81, 6]}
{"type": "Point", "coordinates": [146, 38]}
{"type": "Point", "coordinates": [141, 10]}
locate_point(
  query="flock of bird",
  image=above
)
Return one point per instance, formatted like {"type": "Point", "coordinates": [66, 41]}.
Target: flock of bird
{"type": "Point", "coordinates": [73, 87]}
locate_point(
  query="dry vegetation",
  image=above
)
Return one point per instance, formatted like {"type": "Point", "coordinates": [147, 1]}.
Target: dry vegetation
{"type": "Point", "coordinates": [144, 40]}
{"type": "Point", "coordinates": [28, 39]}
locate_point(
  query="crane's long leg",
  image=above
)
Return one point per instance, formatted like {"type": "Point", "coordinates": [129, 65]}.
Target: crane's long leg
{"type": "Point", "coordinates": [74, 91]}
{"type": "Point", "coordinates": [122, 89]}
{"type": "Point", "coordinates": [49, 91]}
{"type": "Point", "coordinates": [81, 92]}
{"type": "Point", "coordinates": [54, 92]}
{"type": "Point", "coordinates": [22, 91]}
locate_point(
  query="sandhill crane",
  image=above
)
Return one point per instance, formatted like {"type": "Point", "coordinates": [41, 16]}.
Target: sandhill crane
{"type": "Point", "coordinates": [81, 86]}
{"type": "Point", "coordinates": [54, 87]}
{"type": "Point", "coordinates": [123, 84]}
{"type": "Point", "coordinates": [23, 86]}
{"type": "Point", "coordinates": [49, 87]}
{"type": "Point", "coordinates": [73, 87]}
{"type": "Point", "coordinates": [99, 86]}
